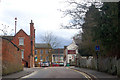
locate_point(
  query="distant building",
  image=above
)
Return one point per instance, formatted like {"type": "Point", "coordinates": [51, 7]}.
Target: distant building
{"type": "Point", "coordinates": [26, 43]}
{"type": "Point", "coordinates": [42, 53]}
{"type": "Point", "coordinates": [58, 56]}
{"type": "Point", "coordinates": [71, 51]}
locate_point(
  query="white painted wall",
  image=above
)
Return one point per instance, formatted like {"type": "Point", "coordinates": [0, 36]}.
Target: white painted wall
{"type": "Point", "coordinates": [72, 46]}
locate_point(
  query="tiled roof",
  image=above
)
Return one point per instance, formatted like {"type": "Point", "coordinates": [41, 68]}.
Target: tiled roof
{"type": "Point", "coordinates": [42, 45]}
{"type": "Point", "coordinates": [8, 37]}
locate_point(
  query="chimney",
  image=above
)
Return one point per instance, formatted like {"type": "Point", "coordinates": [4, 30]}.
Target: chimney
{"type": "Point", "coordinates": [15, 24]}
{"type": "Point", "coordinates": [65, 47]}
{"type": "Point", "coordinates": [32, 30]}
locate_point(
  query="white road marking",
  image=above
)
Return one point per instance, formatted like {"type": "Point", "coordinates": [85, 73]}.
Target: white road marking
{"type": "Point", "coordinates": [30, 74]}
{"type": "Point", "coordinates": [45, 68]}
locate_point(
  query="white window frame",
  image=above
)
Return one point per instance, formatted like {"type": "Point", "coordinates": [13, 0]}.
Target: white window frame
{"type": "Point", "coordinates": [35, 52]}
{"type": "Point", "coordinates": [46, 51]}
{"type": "Point", "coordinates": [47, 58]}
{"type": "Point", "coordinates": [22, 54]}
{"type": "Point", "coordinates": [41, 51]}
{"type": "Point", "coordinates": [21, 41]}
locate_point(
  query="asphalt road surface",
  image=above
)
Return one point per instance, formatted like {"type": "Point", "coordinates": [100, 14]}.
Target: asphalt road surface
{"type": "Point", "coordinates": [56, 72]}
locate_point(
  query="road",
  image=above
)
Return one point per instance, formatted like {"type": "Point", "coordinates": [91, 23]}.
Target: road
{"type": "Point", "coordinates": [57, 72]}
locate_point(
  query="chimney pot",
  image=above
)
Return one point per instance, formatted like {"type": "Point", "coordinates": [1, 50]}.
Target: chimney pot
{"type": "Point", "coordinates": [31, 21]}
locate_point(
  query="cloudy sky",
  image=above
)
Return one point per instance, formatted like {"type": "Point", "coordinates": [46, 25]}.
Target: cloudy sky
{"type": "Point", "coordinates": [44, 13]}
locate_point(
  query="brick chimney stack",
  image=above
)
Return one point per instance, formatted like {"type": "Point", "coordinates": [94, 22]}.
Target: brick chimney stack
{"type": "Point", "coordinates": [32, 36]}
{"type": "Point", "coordinates": [32, 30]}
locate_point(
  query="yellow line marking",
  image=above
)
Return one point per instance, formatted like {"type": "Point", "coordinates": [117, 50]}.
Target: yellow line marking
{"type": "Point", "coordinates": [86, 76]}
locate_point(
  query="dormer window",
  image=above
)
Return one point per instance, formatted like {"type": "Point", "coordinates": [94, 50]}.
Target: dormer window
{"type": "Point", "coordinates": [21, 41]}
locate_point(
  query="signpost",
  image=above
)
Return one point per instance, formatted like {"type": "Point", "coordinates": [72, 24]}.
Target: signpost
{"type": "Point", "coordinates": [97, 48]}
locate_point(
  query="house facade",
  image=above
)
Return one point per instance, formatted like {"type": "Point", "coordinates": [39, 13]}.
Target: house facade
{"type": "Point", "coordinates": [27, 45]}
{"type": "Point", "coordinates": [71, 51]}
{"type": "Point", "coordinates": [42, 53]}
{"type": "Point", "coordinates": [58, 56]}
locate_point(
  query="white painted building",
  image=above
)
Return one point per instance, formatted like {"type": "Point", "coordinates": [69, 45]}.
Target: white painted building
{"type": "Point", "coordinates": [71, 52]}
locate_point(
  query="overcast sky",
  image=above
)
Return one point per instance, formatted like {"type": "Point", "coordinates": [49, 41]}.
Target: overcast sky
{"type": "Point", "coordinates": [44, 13]}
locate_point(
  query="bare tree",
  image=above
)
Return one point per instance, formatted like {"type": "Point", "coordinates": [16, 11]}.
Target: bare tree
{"type": "Point", "coordinates": [51, 39]}
{"type": "Point", "coordinates": [77, 10]}
{"type": "Point", "coordinates": [4, 30]}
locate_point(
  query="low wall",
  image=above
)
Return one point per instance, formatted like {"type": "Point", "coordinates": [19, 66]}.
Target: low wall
{"type": "Point", "coordinates": [11, 58]}
{"type": "Point", "coordinates": [118, 67]}
{"type": "Point", "coordinates": [108, 64]}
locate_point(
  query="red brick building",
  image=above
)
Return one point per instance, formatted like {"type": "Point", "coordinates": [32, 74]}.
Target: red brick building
{"type": "Point", "coordinates": [26, 43]}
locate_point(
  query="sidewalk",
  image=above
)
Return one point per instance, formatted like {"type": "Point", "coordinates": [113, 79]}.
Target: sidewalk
{"type": "Point", "coordinates": [97, 74]}
{"type": "Point", "coordinates": [20, 74]}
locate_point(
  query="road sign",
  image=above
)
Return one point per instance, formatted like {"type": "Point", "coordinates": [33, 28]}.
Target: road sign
{"type": "Point", "coordinates": [71, 51]}
{"type": "Point", "coordinates": [97, 48]}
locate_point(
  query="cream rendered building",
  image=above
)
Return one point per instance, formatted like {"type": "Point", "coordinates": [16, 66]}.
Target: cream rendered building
{"type": "Point", "coordinates": [71, 52]}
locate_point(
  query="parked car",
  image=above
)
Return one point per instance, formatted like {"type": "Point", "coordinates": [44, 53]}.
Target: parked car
{"type": "Point", "coordinates": [45, 64]}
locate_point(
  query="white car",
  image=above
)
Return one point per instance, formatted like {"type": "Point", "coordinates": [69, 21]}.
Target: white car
{"type": "Point", "coordinates": [45, 64]}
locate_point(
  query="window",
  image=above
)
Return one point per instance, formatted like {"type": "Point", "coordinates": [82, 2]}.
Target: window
{"type": "Point", "coordinates": [47, 58]}
{"type": "Point", "coordinates": [22, 51]}
{"type": "Point", "coordinates": [41, 57]}
{"type": "Point", "coordinates": [35, 52]}
{"type": "Point", "coordinates": [46, 51]}
{"type": "Point", "coordinates": [21, 41]}
{"type": "Point", "coordinates": [41, 51]}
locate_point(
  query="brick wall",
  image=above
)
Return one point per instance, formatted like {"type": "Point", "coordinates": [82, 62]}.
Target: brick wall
{"type": "Point", "coordinates": [11, 58]}
{"type": "Point", "coordinates": [44, 55]}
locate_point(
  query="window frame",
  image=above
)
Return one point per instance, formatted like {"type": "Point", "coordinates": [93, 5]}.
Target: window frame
{"type": "Point", "coordinates": [21, 41]}
{"type": "Point", "coordinates": [46, 51]}
{"type": "Point", "coordinates": [41, 51]}
{"type": "Point", "coordinates": [35, 52]}
{"type": "Point", "coordinates": [22, 54]}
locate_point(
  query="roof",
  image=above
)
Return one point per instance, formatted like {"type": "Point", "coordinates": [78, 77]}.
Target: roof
{"type": "Point", "coordinates": [8, 37]}
{"type": "Point", "coordinates": [23, 32]}
{"type": "Point", "coordinates": [11, 37]}
{"type": "Point", "coordinates": [56, 51]}
{"type": "Point", "coordinates": [43, 45]}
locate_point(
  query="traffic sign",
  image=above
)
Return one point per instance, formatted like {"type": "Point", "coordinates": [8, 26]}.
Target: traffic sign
{"type": "Point", "coordinates": [97, 48]}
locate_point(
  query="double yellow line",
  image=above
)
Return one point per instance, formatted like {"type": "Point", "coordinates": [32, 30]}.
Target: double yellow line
{"type": "Point", "coordinates": [86, 75]}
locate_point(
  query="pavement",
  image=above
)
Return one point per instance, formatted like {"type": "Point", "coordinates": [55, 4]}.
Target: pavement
{"type": "Point", "coordinates": [20, 74]}
{"type": "Point", "coordinates": [96, 73]}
